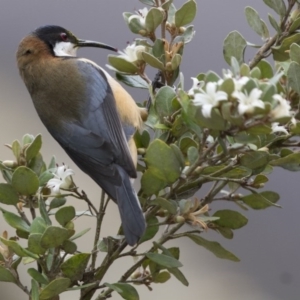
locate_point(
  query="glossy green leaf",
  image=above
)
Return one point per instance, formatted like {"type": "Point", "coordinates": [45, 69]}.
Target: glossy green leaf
{"type": "Point", "coordinates": [132, 80]}
{"type": "Point", "coordinates": [125, 290]}
{"type": "Point", "coordinates": [234, 45]}
{"type": "Point", "coordinates": [153, 19]}
{"type": "Point", "coordinates": [255, 21]}
{"type": "Point", "coordinates": [261, 200]}
{"type": "Point", "coordinates": [54, 288]}
{"type": "Point", "coordinates": [25, 181]}
{"type": "Point", "coordinates": [8, 195]}
{"type": "Point", "coordinates": [6, 275]}
{"type": "Point", "coordinates": [34, 148]}
{"type": "Point", "coordinates": [122, 65]}
{"type": "Point", "coordinates": [151, 230]}
{"type": "Point", "coordinates": [36, 275]}
{"type": "Point", "coordinates": [186, 13]}
{"type": "Point", "coordinates": [54, 237]}
{"type": "Point", "coordinates": [164, 260]}
{"type": "Point", "coordinates": [213, 247]}
{"type": "Point", "coordinates": [65, 215]}
{"type": "Point", "coordinates": [278, 6]}
{"type": "Point", "coordinates": [14, 220]}
{"type": "Point", "coordinates": [230, 219]}
{"type": "Point", "coordinates": [152, 61]}
{"type": "Point", "coordinates": [293, 76]}
{"type": "Point", "coordinates": [75, 266]}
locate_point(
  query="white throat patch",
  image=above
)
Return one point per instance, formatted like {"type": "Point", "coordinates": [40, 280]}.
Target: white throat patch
{"type": "Point", "coordinates": [64, 49]}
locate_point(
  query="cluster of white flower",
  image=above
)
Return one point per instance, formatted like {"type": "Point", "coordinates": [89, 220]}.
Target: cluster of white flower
{"type": "Point", "coordinates": [211, 97]}
{"type": "Point", "coordinates": [62, 180]}
{"type": "Point", "coordinates": [132, 53]}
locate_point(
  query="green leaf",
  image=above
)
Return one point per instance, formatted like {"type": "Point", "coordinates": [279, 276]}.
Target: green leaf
{"type": "Point", "coordinates": [160, 154]}
{"type": "Point", "coordinates": [295, 52]}
{"type": "Point", "coordinates": [150, 183]}
{"type": "Point", "coordinates": [293, 76]}
{"type": "Point", "coordinates": [14, 220]}
{"type": "Point", "coordinates": [175, 62]}
{"type": "Point", "coordinates": [69, 247]}
{"type": "Point", "coordinates": [34, 294]}
{"type": "Point", "coordinates": [25, 181]}
{"type": "Point", "coordinates": [6, 275]}
{"type": "Point", "coordinates": [260, 179]}
{"type": "Point", "coordinates": [280, 52]}
{"type": "Point", "coordinates": [34, 244]}
{"type": "Point", "coordinates": [126, 291]}
{"type": "Point", "coordinates": [37, 164]}
{"type": "Point", "coordinates": [213, 247]}
{"type": "Point", "coordinates": [255, 21]}
{"type": "Point", "coordinates": [54, 288]}
{"type": "Point", "coordinates": [151, 230]}
{"type": "Point", "coordinates": [153, 61]}
{"type": "Point", "coordinates": [43, 212]}
{"type": "Point", "coordinates": [80, 234]}
{"type": "Point", "coordinates": [38, 225]}
{"type": "Point", "coordinates": [295, 25]}
{"type": "Point", "coordinates": [186, 143]}
{"type": "Point", "coordinates": [57, 202]}
{"type": "Point", "coordinates": [265, 69]}
{"type": "Point", "coordinates": [179, 275]}
{"type": "Point", "coordinates": [192, 155]}
{"type": "Point", "coordinates": [17, 249]}
{"type": "Point", "coordinates": [54, 237]}
{"type": "Point", "coordinates": [261, 200]}
{"type": "Point", "coordinates": [234, 45]}
{"type": "Point", "coordinates": [255, 160]}
{"type": "Point", "coordinates": [36, 275]}
{"type": "Point", "coordinates": [164, 260]}
{"type": "Point", "coordinates": [34, 148]}
{"type": "Point", "coordinates": [45, 177]}
{"type": "Point", "coordinates": [16, 149]}
{"type": "Point", "coordinates": [274, 23]}
{"type": "Point", "coordinates": [148, 2]}
{"type": "Point", "coordinates": [163, 101]}
{"type": "Point", "coordinates": [142, 140]}
{"type": "Point", "coordinates": [153, 19]}
{"type": "Point", "coordinates": [65, 215]}
{"type": "Point", "coordinates": [186, 13]}
{"type": "Point", "coordinates": [134, 23]}
{"type": "Point", "coordinates": [168, 205]}
{"type": "Point", "coordinates": [227, 233]}
{"type": "Point", "coordinates": [75, 266]}
{"type": "Point", "coordinates": [162, 277]}
{"type": "Point", "coordinates": [278, 6]}
{"type": "Point", "coordinates": [122, 65]}
{"type": "Point", "coordinates": [290, 162]}
{"type": "Point", "coordinates": [188, 34]}
{"type": "Point", "coordinates": [8, 195]}
{"type": "Point", "coordinates": [230, 219]}
{"type": "Point", "coordinates": [132, 80]}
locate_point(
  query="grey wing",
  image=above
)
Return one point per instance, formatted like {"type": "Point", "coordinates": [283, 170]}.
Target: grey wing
{"type": "Point", "coordinates": [96, 142]}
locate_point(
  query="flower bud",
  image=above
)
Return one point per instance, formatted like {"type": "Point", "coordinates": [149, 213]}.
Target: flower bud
{"type": "Point", "coordinates": [10, 163]}
{"type": "Point", "coordinates": [179, 219]}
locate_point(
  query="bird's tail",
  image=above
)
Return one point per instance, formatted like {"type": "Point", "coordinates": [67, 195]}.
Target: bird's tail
{"type": "Point", "coordinates": [133, 221]}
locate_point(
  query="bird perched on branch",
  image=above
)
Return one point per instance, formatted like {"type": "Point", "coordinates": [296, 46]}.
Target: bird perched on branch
{"type": "Point", "coordinates": [88, 113]}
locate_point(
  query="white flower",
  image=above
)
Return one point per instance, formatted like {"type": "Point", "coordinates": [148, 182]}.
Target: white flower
{"type": "Point", "coordinates": [282, 109]}
{"type": "Point", "coordinates": [62, 180]}
{"type": "Point", "coordinates": [238, 82]}
{"type": "Point", "coordinates": [277, 128]}
{"type": "Point", "coordinates": [247, 103]}
{"type": "Point", "coordinates": [132, 53]}
{"type": "Point", "coordinates": [197, 86]}
{"type": "Point", "coordinates": [142, 13]}
{"type": "Point", "coordinates": [209, 99]}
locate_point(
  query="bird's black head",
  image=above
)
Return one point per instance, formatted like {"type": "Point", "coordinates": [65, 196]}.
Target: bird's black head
{"type": "Point", "coordinates": [62, 42]}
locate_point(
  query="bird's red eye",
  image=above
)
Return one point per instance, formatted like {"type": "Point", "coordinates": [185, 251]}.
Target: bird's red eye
{"type": "Point", "coordinates": [64, 37]}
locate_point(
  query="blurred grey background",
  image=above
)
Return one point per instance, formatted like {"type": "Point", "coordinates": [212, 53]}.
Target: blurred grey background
{"type": "Point", "coordinates": [268, 246]}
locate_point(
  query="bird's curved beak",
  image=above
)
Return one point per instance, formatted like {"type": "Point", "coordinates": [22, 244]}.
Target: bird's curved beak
{"type": "Point", "coordinates": [86, 43]}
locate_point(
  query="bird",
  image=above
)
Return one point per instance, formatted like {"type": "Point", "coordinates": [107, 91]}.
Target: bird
{"type": "Point", "coordinates": [88, 113]}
